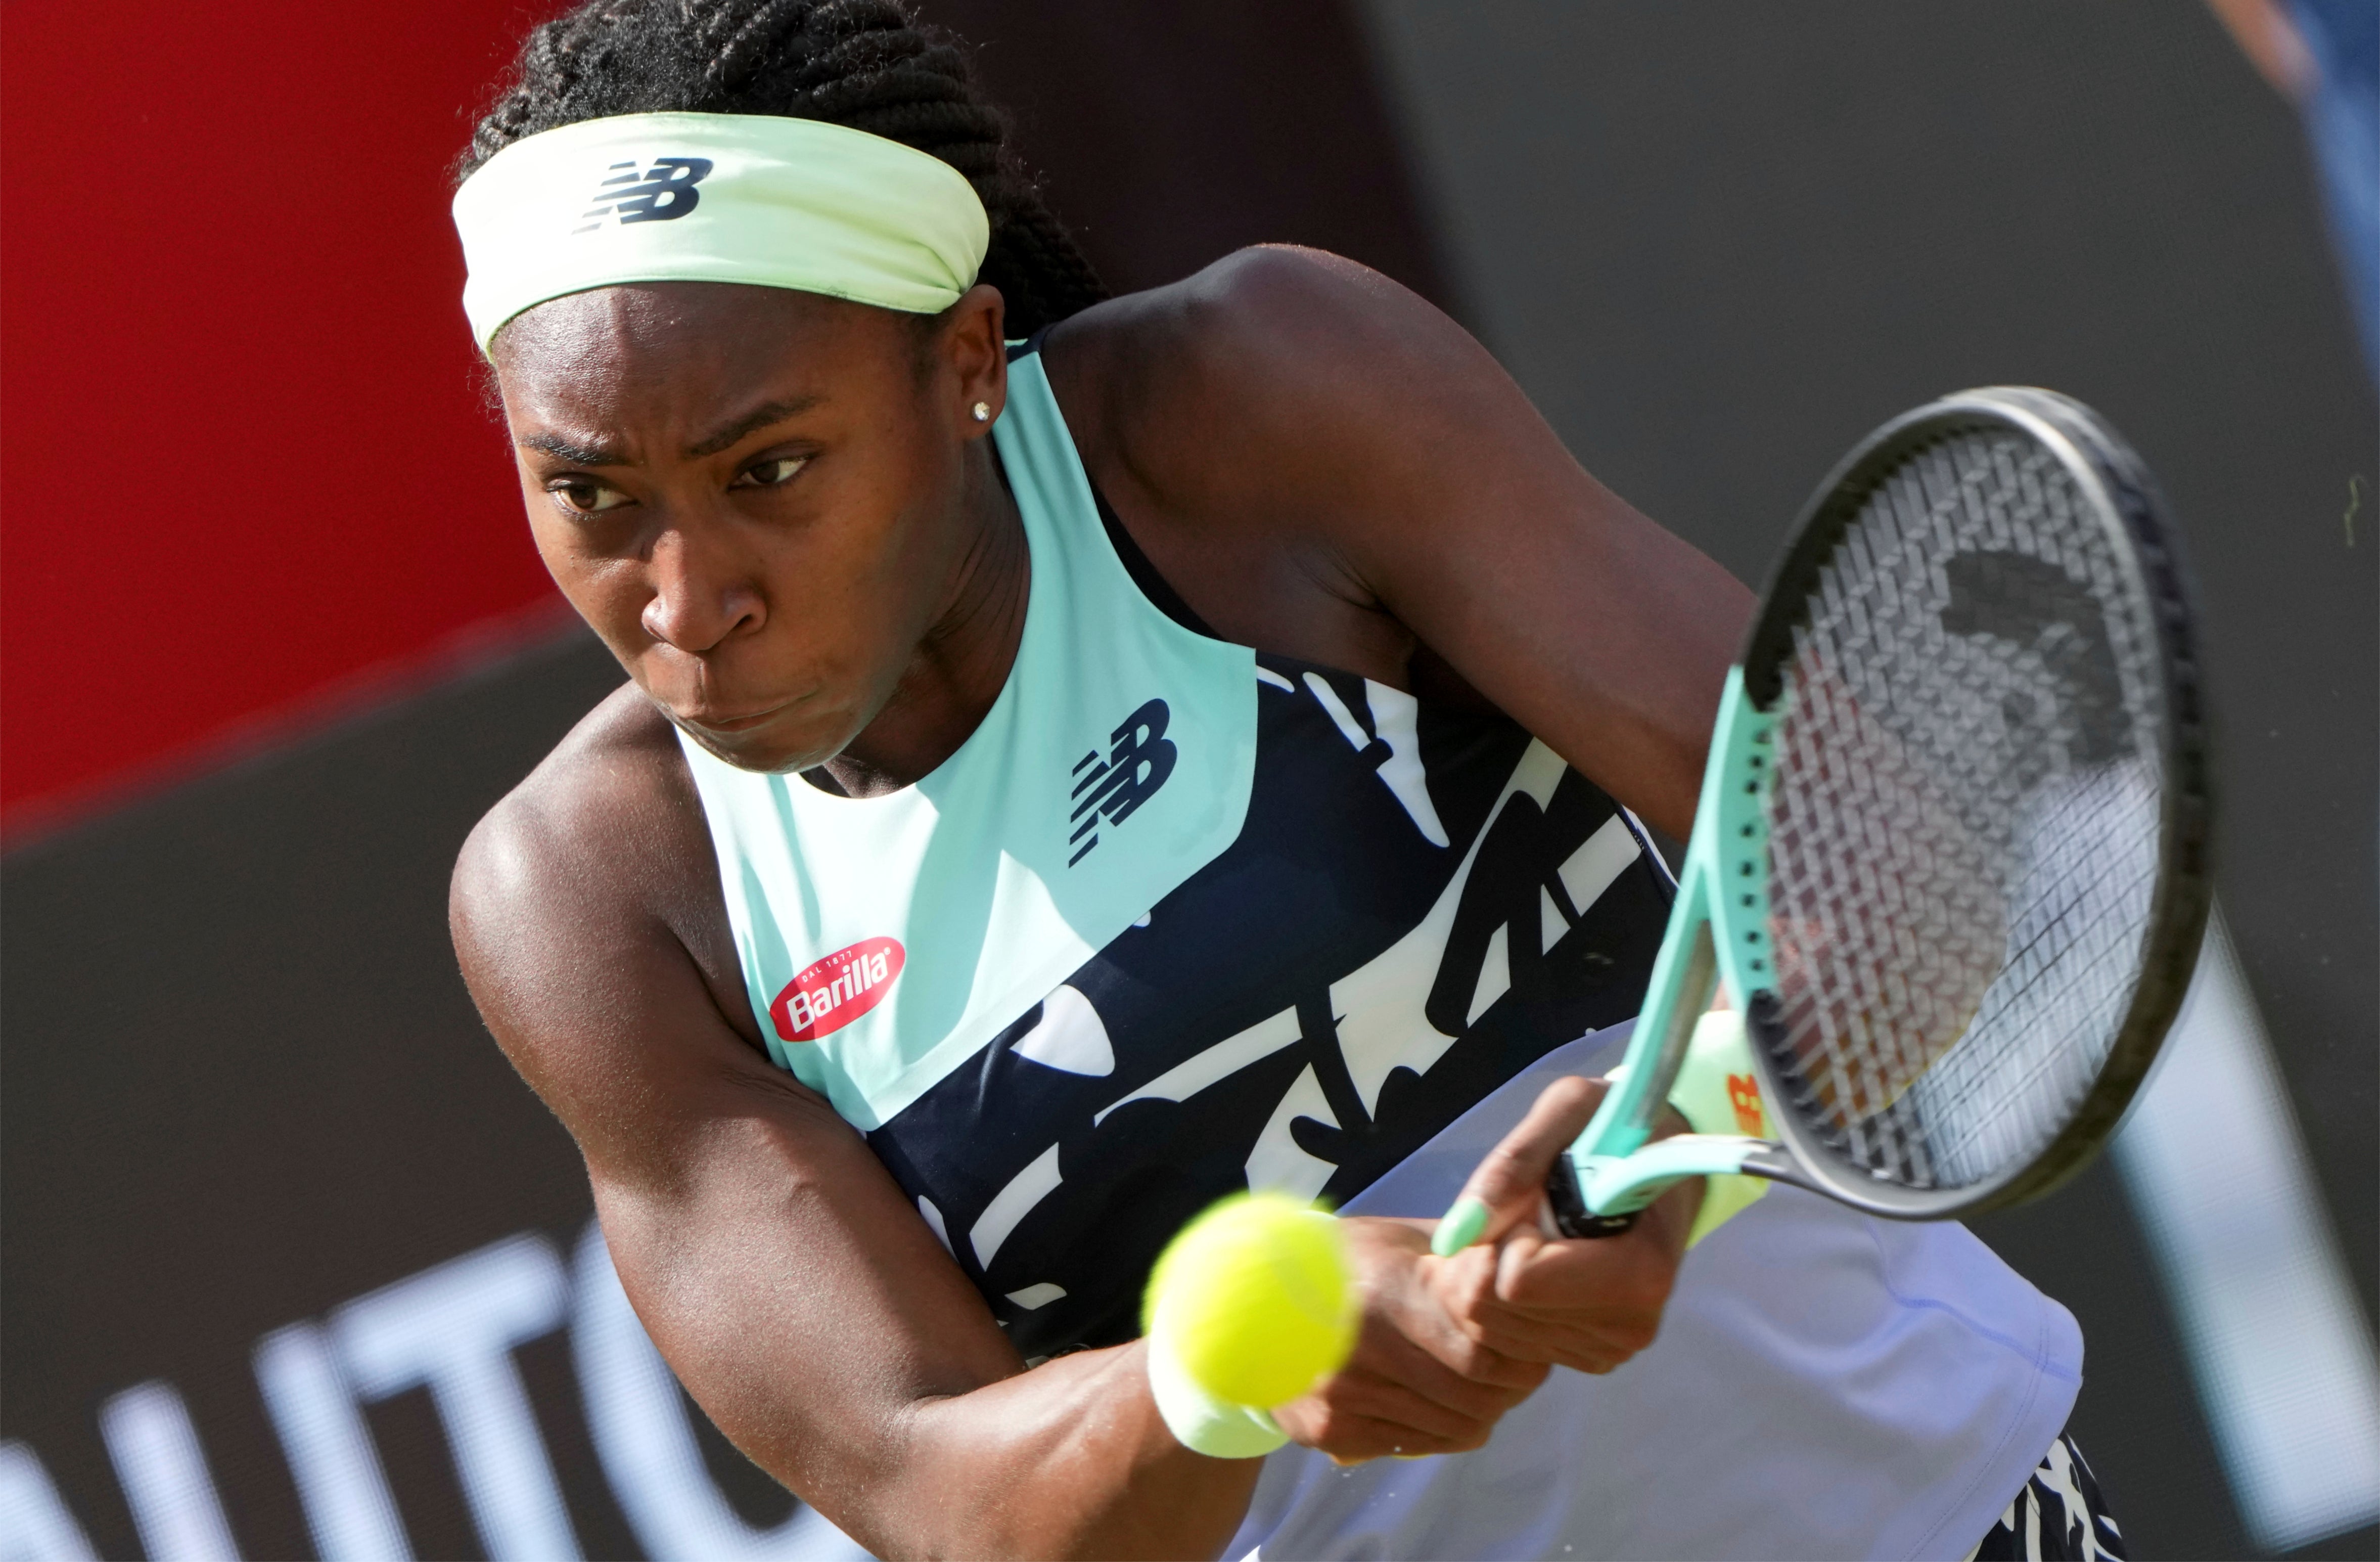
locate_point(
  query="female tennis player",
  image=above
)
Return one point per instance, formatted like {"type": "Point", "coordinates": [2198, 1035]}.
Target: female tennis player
{"type": "Point", "coordinates": [1083, 757]}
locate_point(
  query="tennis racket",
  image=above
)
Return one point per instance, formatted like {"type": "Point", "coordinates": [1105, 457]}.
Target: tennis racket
{"type": "Point", "coordinates": [1950, 859]}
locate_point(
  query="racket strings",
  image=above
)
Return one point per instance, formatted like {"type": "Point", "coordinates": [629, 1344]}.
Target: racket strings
{"type": "Point", "coordinates": [1963, 821]}
{"type": "Point", "coordinates": [2069, 975]}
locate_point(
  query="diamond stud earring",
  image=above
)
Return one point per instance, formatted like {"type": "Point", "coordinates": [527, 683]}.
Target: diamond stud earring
{"type": "Point", "coordinates": [982, 411]}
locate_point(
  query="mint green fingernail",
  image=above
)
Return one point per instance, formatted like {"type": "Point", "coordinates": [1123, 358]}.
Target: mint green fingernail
{"type": "Point", "coordinates": [1460, 1227]}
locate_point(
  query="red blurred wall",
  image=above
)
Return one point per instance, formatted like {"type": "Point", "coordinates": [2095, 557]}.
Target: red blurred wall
{"type": "Point", "coordinates": [245, 480]}
{"type": "Point", "coordinates": [242, 458]}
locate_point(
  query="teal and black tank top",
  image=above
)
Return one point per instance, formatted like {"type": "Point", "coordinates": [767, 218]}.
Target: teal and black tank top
{"type": "Point", "coordinates": [1179, 919]}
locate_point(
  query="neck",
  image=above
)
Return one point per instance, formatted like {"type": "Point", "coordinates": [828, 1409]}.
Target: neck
{"type": "Point", "coordinates": [964, 661]}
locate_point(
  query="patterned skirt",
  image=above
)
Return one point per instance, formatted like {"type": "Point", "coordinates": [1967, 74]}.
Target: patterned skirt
{"type": "Point", "coordinates": [2058, 1515]}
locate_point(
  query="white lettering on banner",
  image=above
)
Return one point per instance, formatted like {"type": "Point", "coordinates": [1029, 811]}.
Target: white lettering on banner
{"type": "Point", "coordinates": [2263, 1298]}
{"type": "Point", "coordinates": [35, 1524]}
{"type": "Point", "coordinates": [155, 1451]}
{"type": "Point", "coordinates": [348, 1507]}
{"type": "Point", "coordinates": [452, 1329]}
{"type": "Point", "coordinates": [646, 1439]}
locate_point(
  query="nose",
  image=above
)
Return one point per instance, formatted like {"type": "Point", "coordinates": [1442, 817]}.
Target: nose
{"type": "Point", "coordinates": [700, 598]}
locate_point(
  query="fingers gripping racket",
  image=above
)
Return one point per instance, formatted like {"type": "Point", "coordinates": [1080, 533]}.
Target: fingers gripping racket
{"type": "Point", "coordinates": [1950, 856]}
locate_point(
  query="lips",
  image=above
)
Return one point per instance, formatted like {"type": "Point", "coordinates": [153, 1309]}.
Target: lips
{"type": "Point", "coordinates": [726, 724]}
{"type": "Point", "coordinates": [761, 737]}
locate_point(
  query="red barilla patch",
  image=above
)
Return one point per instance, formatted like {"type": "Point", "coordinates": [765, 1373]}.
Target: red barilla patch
{"type": "Point", "coordinates": [837, 990]}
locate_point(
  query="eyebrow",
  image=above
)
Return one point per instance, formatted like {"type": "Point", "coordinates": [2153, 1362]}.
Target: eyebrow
{"type": "Point", "coordinates": [760, 418]}
{"type": "Point", "coordinates": [576, 455]}
{"type": "Point", "coordinates": [726, 437]}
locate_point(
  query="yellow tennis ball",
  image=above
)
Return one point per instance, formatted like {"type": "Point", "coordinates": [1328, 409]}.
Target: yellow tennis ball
{"type": "Point", "coordinates": [1256, 1299]}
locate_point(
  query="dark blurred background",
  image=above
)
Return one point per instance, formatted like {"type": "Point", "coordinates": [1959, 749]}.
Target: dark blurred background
{"type": "Point", "coordinates": [290, 1263]}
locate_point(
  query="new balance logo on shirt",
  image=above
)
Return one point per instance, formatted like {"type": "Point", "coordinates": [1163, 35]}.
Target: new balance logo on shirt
{"type": "Point", "coordinates": [659, 194]}
{"type": "Point", "coordinates": [1139, 759]}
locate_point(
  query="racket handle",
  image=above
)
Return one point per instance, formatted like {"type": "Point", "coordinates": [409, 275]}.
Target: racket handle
{"type": "Point", "coordinates": [1568, 1206]}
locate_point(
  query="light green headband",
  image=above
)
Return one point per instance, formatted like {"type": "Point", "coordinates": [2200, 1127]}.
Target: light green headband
{"type": "Point", "coordinates": [749, 198]}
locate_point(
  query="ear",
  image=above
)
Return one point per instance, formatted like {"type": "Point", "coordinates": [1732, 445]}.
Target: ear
{"type": "Point", "coordinates": [973, 355]}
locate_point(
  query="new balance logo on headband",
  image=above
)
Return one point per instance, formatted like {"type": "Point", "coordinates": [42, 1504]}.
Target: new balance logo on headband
{"type": "Point", "coordinates": [659, 194]}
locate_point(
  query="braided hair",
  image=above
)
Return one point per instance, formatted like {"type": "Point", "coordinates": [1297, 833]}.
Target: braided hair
{"type": "Point", "coordinates": [866, 64]}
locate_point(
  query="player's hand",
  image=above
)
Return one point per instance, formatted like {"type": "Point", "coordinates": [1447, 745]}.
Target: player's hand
{"type": "Point", "coordinates": [1528, 1297]}
{"type": "Point", "coordinates": [1417, 1384]}
{"type": "Point", "coordinates": [1447, 1345]}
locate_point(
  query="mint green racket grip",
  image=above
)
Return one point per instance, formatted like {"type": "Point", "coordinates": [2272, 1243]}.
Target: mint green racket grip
{"type": "Point", "coordinates": [1463, 1223]}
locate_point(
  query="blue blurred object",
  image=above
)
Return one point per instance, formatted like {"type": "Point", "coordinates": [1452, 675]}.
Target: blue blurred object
{"type": "Point", "coordinates": [2342, 120]}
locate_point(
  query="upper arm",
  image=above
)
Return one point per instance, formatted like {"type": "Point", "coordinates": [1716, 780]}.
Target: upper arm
{"type": "Point", "coordinates": [1317, 413]}
{"type": "Point", "coordinates": [787, 1280]}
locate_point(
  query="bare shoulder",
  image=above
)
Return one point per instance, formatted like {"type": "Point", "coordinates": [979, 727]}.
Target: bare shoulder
{"type": "Point", "coordinates": [1281, 346]}
{"type": "Point", "coordinates": [598, 854]}
{"type": "Point", "coordinates": [1274, 315]}
{"type": "Point", "coordinates": [1294, 441]}
{"type": "Point", "coordinates": [562, 831]}
{"type": "Point", "coordinates": [1325, 465]}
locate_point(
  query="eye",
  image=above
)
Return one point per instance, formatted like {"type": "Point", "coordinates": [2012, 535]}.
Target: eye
{"type": "Point", "coordinates": [770, 473]}
{"type": "Point", "coordinates": [585, 496]}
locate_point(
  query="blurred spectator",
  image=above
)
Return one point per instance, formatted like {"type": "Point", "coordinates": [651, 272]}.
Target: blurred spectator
{"type": "Point", "coordinates": [2325, 57]}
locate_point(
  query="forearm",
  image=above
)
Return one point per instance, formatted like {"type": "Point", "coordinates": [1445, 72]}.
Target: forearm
{"type": "Point", "coordinates": [1070, 1460]}
{"type": "Point", "coordinates": [892, 1404]}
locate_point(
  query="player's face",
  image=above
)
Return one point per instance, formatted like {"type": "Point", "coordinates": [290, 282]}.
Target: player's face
{"type": "Point", "coordinates": [759, 499]}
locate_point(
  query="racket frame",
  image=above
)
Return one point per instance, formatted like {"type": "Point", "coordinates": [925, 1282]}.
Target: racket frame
{"type": "Point", "coordinates": [1719, 925]}
{"type": "Point", "coordinates": [1718, 937]}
